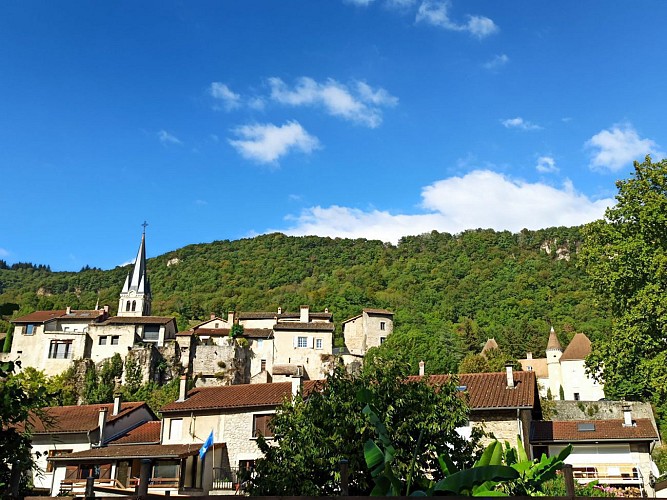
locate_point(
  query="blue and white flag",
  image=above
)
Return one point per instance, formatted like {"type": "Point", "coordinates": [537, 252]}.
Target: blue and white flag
{"type": "Point", "coordinates": [207, 444]}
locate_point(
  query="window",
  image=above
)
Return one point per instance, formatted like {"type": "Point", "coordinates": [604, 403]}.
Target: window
{"type": "Point", "coordinates": [263, 365]}
{"type": "Point", "coordinates": [152, 332]}
{"type": "Point", "coordinates": [103, 340]}
{"type": "Point", "coordinates": [577, 397]}
{"type": "Point", "coordinates": [318, 343]}
{"type": "Point", "coordinates": [134, 305]}
{"type": "Point", "coordinates": [175, 428]}
{"type": "Point", "coordinates": [382, 339]}
{"type": "Point", "coordinates": [115, 339]}
{"type": "Point", "coordinates": [29, 329]}
{"type": "Point", "coordinates": [217, 325]}
{"type": "Point", "coordinates": [166, 468]}
{"type": "Point", "coordinates": [127, 306]}
{"type": "Point", "coordinates": [55, 453]}
{"type": "Point", "coordinates": [383, 325]}
{"type": "Point", "coordinates": [302, 342]}
{"type": "Point", "coordinates": [260, 425]}
{"type": "Point", "coordinates": [260, 343]}
{"type": "Point", "coordinates": [60, 349]}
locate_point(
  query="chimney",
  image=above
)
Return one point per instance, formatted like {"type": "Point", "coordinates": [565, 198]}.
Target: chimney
{"type": "Point", "coordinates": [421, 368]}
{"type": "Point", "coordinates": [116, 404]}
{"type": "Point", "coordinates": [212, 315]}
{"type": "Point", "coordinates": [69, 310]}
{"type": "Point", "coordinates": [326, 310]}
{"type": "Point", "coordinates": [102, 423]}
{"type": "Point", "coordinates": [627, 416]}
{"type": "Point", "coordinates": [230, 317]}
{"type": "Point", "coordinates": [304, 317]}
{"type": "Point", "coordinates": [510, 376]}
{"type": "Point", "coordinates": [529, 355]}
{"type": "Point", "coordinates": [297, 384]}
{"type": "Point", "coordinates": [280, 310]}
{"type": "Point", "coordinates": [182, 388]}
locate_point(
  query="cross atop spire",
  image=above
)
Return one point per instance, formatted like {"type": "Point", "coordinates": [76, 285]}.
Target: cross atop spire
{"type": "Point", "coordinates": [144, 226]}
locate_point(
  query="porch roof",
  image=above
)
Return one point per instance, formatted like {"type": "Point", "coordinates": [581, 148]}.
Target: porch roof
{"type": "Point", "coordinates": [135, 451]}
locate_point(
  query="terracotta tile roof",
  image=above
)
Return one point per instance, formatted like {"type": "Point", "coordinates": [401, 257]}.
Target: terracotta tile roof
{"type": "Point", "coordinates": [84, 418]}
{"type": "Point", "coordinates": [602, 430]}
{"type": "Point", "coordinates": [285, 315]}
{"type": "Point", "coordinates": [312, 327]}
{"type": "Point", "coordinates": [146, 433]}
{"type": "Point", "coordinates": [488, 391]}
{"type": "Point", "coordinates": [236, 396]}
{"type": "Point", "coordinates": [43, 316]}
{"type": "Point", "coordinates": [134, 451]}
{"type": "Point", "coordinates": [138, 320]}
{"type": "Point", "coordinates": [259, 333]}
{"type": "Point", "coordinates": [286, 369]}
{"type": "Point", "coordinates": [577, 349]}
{"type": "Point", "coordinates": [378, 311]}
{"type": "Point", "coordinates": [538, 365]}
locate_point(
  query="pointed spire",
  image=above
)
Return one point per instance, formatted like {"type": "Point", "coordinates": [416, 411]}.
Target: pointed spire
{"type": "Point", "coordinates": [553, 343]}
{"type": "Point", "coordinates": [135, 298]}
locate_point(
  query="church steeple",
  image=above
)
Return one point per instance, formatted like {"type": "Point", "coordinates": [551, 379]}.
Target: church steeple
{"type": "Point", "coordinates": [135, 298]}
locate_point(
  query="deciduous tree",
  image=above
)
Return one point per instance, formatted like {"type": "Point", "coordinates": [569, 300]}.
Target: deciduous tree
{"type": "Point", "coordinates": [625, 254]}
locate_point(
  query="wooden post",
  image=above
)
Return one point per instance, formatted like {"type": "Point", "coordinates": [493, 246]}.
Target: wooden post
{"type": "Point", "coordinates": [569, 480]}
{"type": "Point", "coordinates": [90, 485]}
{"type": "Point", "coordinates": [144, 476]}
{"type": "Point", "coordinates": [344, 485]}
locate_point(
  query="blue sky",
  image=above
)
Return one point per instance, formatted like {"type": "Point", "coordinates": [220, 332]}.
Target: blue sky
{"type": "Point", "coordinates": [361, 118]}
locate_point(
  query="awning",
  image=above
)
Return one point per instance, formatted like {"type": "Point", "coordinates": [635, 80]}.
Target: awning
{"type": "Point", "coordinates": [134, 451]}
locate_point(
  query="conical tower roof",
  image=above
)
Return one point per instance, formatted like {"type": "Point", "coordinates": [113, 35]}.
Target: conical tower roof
{"type": "Point", "coordinates": [553, 342]}
{"type": "Point", "coordinates": [137, 279]}
{"type": "Point", "coordinates": [578, 348]}
{"type": "Point", "coordinates": [490, 344]}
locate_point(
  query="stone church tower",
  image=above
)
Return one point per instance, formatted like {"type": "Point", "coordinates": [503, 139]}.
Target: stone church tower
{"type": "Point", "coordinates": [135, 298]}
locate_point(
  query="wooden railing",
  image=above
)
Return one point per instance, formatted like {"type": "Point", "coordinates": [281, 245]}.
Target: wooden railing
{"type": "Point", "coordinates": [79, 485]}
{"type": "Point", "coordinates": [608, 473]}
{"type": "Point", "coordinates": [157, 482]}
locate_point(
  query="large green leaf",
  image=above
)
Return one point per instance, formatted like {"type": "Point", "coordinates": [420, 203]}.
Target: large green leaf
{"type": "Point", "coordinates": [462, 482]}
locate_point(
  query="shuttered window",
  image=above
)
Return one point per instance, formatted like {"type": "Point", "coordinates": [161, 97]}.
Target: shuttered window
{"type": "Point", "coordinates": [260, 425]}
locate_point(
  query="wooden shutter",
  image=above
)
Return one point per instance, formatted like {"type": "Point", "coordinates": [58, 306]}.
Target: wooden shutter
{"type": "Point", "coordinates": [71, 472]}
{"type": "Point", "coordinates": [105, 471]}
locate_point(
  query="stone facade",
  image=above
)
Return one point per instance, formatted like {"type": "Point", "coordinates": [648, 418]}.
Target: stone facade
{"type": "Point", "coordinates": [369, 329]}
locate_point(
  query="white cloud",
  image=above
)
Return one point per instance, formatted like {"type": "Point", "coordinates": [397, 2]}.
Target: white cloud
{"type": "Point", "coordinates": [435, 12]}
{"type": "Point", "coordinates": [167, 138]}
{"type": "Point", "coordinates": [481, 198]}
{"type": "Point", "coordinates": [3, 252]}
{"type": "Point", "coordinates": [359, 103]}
{"type": "Point", "coordinates": [498, 61]}
{"type": "Point", "coordinates": [363, 3]}
{"type": "Point", "coordinates": [546, 165]}
{"type": "Point", "coordinates": [266, 143]}
{"type": "Point", "coordinates": [519, 122]}
{"type": "Point", "coordinates": [201, 202]}
{"type": "Point", "coordinates": [222, 92]}
{"type": "Point", "coordinates": [618, 147]}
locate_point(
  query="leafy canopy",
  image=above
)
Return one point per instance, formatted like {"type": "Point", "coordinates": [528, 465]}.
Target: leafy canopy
{"type": "Point", "coordinates": [625, 255]}
{"type": "Point", "coordinates": [313, 435]}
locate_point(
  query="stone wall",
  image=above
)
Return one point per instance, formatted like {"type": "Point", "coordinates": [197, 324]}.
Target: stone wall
{"type": "Point", "coordinates": [224, 364]}
{"type": "Point", "coordinates": [598, 410]}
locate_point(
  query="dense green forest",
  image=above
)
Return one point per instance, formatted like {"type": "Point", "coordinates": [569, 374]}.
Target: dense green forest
{"type": "Point", "coordinates": [449, 292]}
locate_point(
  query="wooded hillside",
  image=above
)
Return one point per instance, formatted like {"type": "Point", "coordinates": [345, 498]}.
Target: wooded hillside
{"type": "Point", "coordinates": [449, 292]}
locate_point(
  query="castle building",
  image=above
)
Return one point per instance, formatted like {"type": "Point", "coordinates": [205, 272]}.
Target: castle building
{"type": "Point", "coordinates": [562, 374]}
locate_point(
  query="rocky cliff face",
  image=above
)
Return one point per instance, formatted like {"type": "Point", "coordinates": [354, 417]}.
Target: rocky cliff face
{"type": "Point", "coordinates": [560, 249]}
